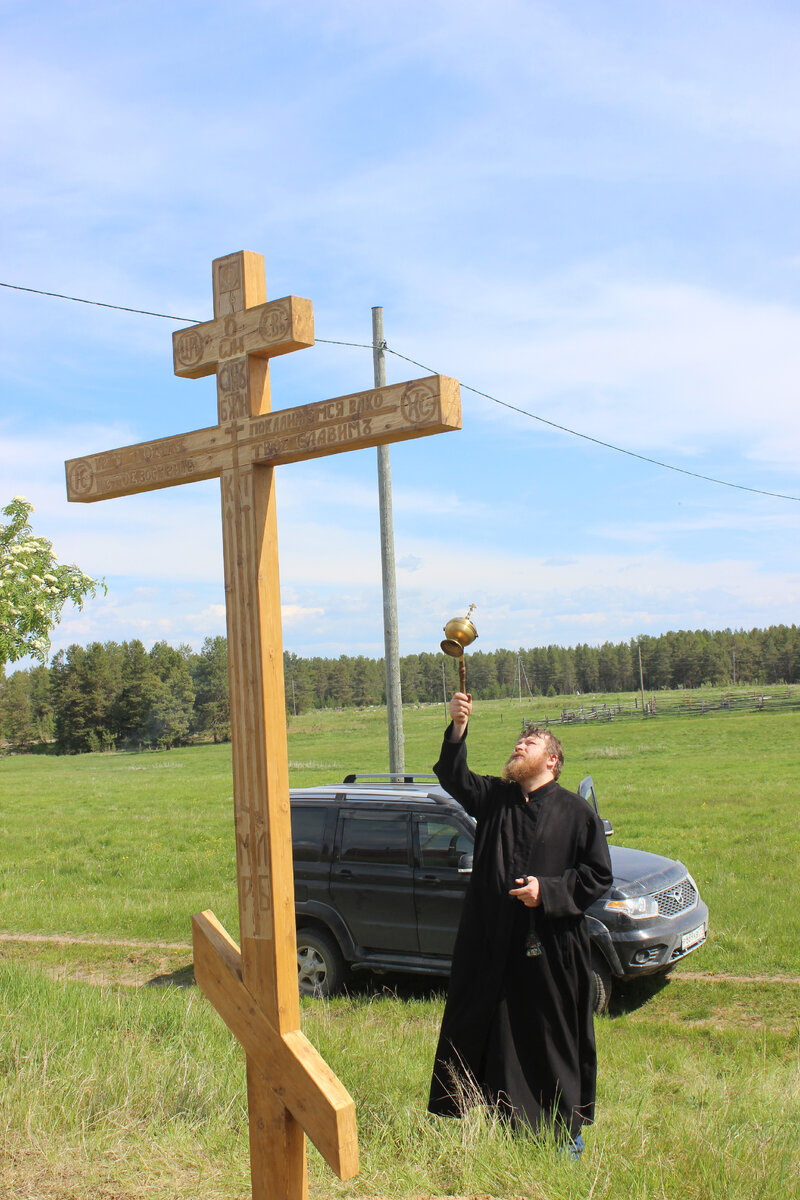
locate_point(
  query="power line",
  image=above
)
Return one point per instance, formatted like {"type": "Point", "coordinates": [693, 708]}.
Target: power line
{"type": "Point", "coordinates": [98, 303]}
{"type": "Point", "coordinates": [655, 462]}
{"type": "Point", "coordinates": [607, 445]}
{"type": "Point", "coordinates": [145, 312]}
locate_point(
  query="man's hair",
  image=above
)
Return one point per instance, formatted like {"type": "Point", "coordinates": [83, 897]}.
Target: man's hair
{"type": "Point", "coordinates": [551, 742]}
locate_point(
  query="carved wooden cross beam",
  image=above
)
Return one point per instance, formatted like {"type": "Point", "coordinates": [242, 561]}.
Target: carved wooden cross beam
{"type": "Point", "coordinates": [289, 1087]}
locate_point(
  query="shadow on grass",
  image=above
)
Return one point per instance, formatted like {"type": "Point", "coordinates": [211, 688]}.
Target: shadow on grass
{"type": "Point", "coordinates": [182, 978]}
{"type": "Point", "coordinates": [628, 997]}
{"type": "Point", "coordinates": [395, 983]}
{"type": "Point", "coordinates": [361, 984]}
{"type": "Point", "coordinates": [625, 997]}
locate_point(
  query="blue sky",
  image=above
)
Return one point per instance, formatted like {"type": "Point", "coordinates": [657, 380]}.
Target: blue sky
{"type": "Point", "coordinates": [587, 211]}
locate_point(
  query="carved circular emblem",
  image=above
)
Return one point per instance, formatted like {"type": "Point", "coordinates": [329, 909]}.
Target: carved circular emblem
{"type": "Point", "coordinates": [274, 324]}
{"type": "Point", "coordinates": [229, 276]}
{"type": "Point", "coordinates": [189, 348]}
{"type": "Point", "coordinates": [81, 477]}
{"type": "Point", "coordinates": [418, 403]}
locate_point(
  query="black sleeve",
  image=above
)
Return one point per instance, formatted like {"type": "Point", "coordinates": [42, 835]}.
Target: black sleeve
{"type": "Point", "coordinates": [470, 790]}
{"type": "Point", "coordinates": [570, 893]}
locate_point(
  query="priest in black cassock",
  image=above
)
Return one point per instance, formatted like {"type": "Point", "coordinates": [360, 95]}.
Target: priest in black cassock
{"type": "Point", "coordinates": [517, 1031]}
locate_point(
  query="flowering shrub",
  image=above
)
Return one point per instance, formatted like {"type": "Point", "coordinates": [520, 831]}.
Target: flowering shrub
{"type": "Point", "coordinates": [34, 586]}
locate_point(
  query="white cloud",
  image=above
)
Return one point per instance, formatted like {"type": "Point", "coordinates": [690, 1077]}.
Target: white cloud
{"type": "Point", "coordinates": [762, 525]}
{"type": "Point", "coordinates": [294, 614]}
{"type": "Point", "coordinates": [722, 70]}
{"type": "Point", "coordinates": [208, 618]}
{"type": "Point", "coordinates": [658, 366]}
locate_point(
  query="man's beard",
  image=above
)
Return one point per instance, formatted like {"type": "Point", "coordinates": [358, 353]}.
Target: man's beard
{"type": "Point", "coordinates": [516, 770]}
{"type": "Point", "coordinates": [522, 769]}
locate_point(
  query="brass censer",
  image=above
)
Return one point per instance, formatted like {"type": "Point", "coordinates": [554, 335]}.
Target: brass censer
{"type": "Point", "coordinates": [460, 633]}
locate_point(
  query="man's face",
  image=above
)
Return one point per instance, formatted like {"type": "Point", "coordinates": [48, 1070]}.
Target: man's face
{"type": "Point", "coordinates": [529, 758]}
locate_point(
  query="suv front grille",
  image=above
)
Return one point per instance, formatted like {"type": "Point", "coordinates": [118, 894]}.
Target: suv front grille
{"type": "Point", "coordinates": [676, 899]}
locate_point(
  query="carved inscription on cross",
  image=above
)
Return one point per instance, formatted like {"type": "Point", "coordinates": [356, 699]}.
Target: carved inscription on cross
{"type": "Point", "coordinates": [290, 1088]}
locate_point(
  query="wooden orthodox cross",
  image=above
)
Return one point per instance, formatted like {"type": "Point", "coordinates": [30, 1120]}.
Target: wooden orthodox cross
{"type": "Point", "coordinates": [289, 1087]}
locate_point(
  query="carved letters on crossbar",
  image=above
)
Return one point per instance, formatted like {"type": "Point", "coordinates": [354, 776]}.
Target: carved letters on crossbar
{"type": "Point", "coordinates": [290, 1088]}
{"type": "Point", "coordinates": [390, 414]}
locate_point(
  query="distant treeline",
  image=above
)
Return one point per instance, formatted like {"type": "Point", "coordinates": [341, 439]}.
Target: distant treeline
{"type": "Point", "coordinates": [122, 696]}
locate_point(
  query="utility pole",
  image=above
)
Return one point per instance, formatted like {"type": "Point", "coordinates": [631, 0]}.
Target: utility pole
{"type": "Point", "coordinates": [394, 700]}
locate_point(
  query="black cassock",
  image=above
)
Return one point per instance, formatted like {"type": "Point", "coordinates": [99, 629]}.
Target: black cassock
{"type": "Point", "coordinates": [517, 1030]}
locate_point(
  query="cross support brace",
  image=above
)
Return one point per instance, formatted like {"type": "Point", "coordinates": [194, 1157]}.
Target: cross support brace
{"type": "Point", "coordinates": [290, 1065]}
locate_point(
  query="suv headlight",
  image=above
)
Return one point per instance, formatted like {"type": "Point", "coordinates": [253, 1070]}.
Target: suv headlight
{"type": "Point", "coordinates": [637, 906]}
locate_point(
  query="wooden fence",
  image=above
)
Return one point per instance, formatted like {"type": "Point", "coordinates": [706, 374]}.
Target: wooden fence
{"type": "Point", "coordinates": [690, 704]}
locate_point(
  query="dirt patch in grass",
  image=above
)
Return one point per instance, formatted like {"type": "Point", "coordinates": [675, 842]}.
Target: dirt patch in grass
{"type": "Point", "coordinates": [104, 963]}
{"type": "Point", "coordinates": [720, 977]}
{"type": "Point", "coordinates": [135, 971]}
{"type": "Point", "coordinates": [69, 939]}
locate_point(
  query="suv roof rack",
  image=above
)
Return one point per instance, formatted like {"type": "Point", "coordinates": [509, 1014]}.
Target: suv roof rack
{"type": "Point", "coordinates": [374, 794]}
{"type": "Point", "coordinates": [391, 777]}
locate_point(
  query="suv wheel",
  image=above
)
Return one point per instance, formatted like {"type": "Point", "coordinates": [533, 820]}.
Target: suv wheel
{"type": "Point", "coordinates": [320, 966]}
{"type": "Point", "coordinates": [601, 977]}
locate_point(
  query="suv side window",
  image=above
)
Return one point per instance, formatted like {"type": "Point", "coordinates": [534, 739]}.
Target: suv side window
{"type": "Point", "coordinates": [308, 827]}
{"type": "Point", "coordinates": [374, 841]}
{"type": "Point", "coordinates": [441, 844]}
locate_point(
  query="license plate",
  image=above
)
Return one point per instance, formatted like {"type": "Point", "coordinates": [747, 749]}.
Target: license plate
{"type": "Point", "coordinates": [693, 938]}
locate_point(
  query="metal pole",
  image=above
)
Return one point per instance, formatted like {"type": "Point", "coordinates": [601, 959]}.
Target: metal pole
{"type": "Point", "coordinates": [394, 700]}
{"type": "Point", "coordinates": [641, 677]}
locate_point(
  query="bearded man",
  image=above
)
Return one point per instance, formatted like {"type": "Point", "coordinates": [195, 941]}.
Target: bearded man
{"type": "Point", "coordinates": [517, 1031]}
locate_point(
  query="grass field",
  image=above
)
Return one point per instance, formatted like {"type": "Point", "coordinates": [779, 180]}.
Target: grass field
{"type": "Point", "coordinates": [127, 1090]}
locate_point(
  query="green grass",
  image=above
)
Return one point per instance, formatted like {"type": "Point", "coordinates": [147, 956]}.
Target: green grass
{"type": "Point", "coordinates": [121, 845]}
{"type": "Point", "coordinates": [102, 1084]}
{"type": "Point", "coordinates": [139, 1091]}
{"type": "Point", "coordinates": [120, 1092]}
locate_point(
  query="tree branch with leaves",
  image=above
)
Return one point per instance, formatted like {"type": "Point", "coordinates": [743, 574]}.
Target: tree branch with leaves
{"type": "Point", "coordinates": [34, 586]}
